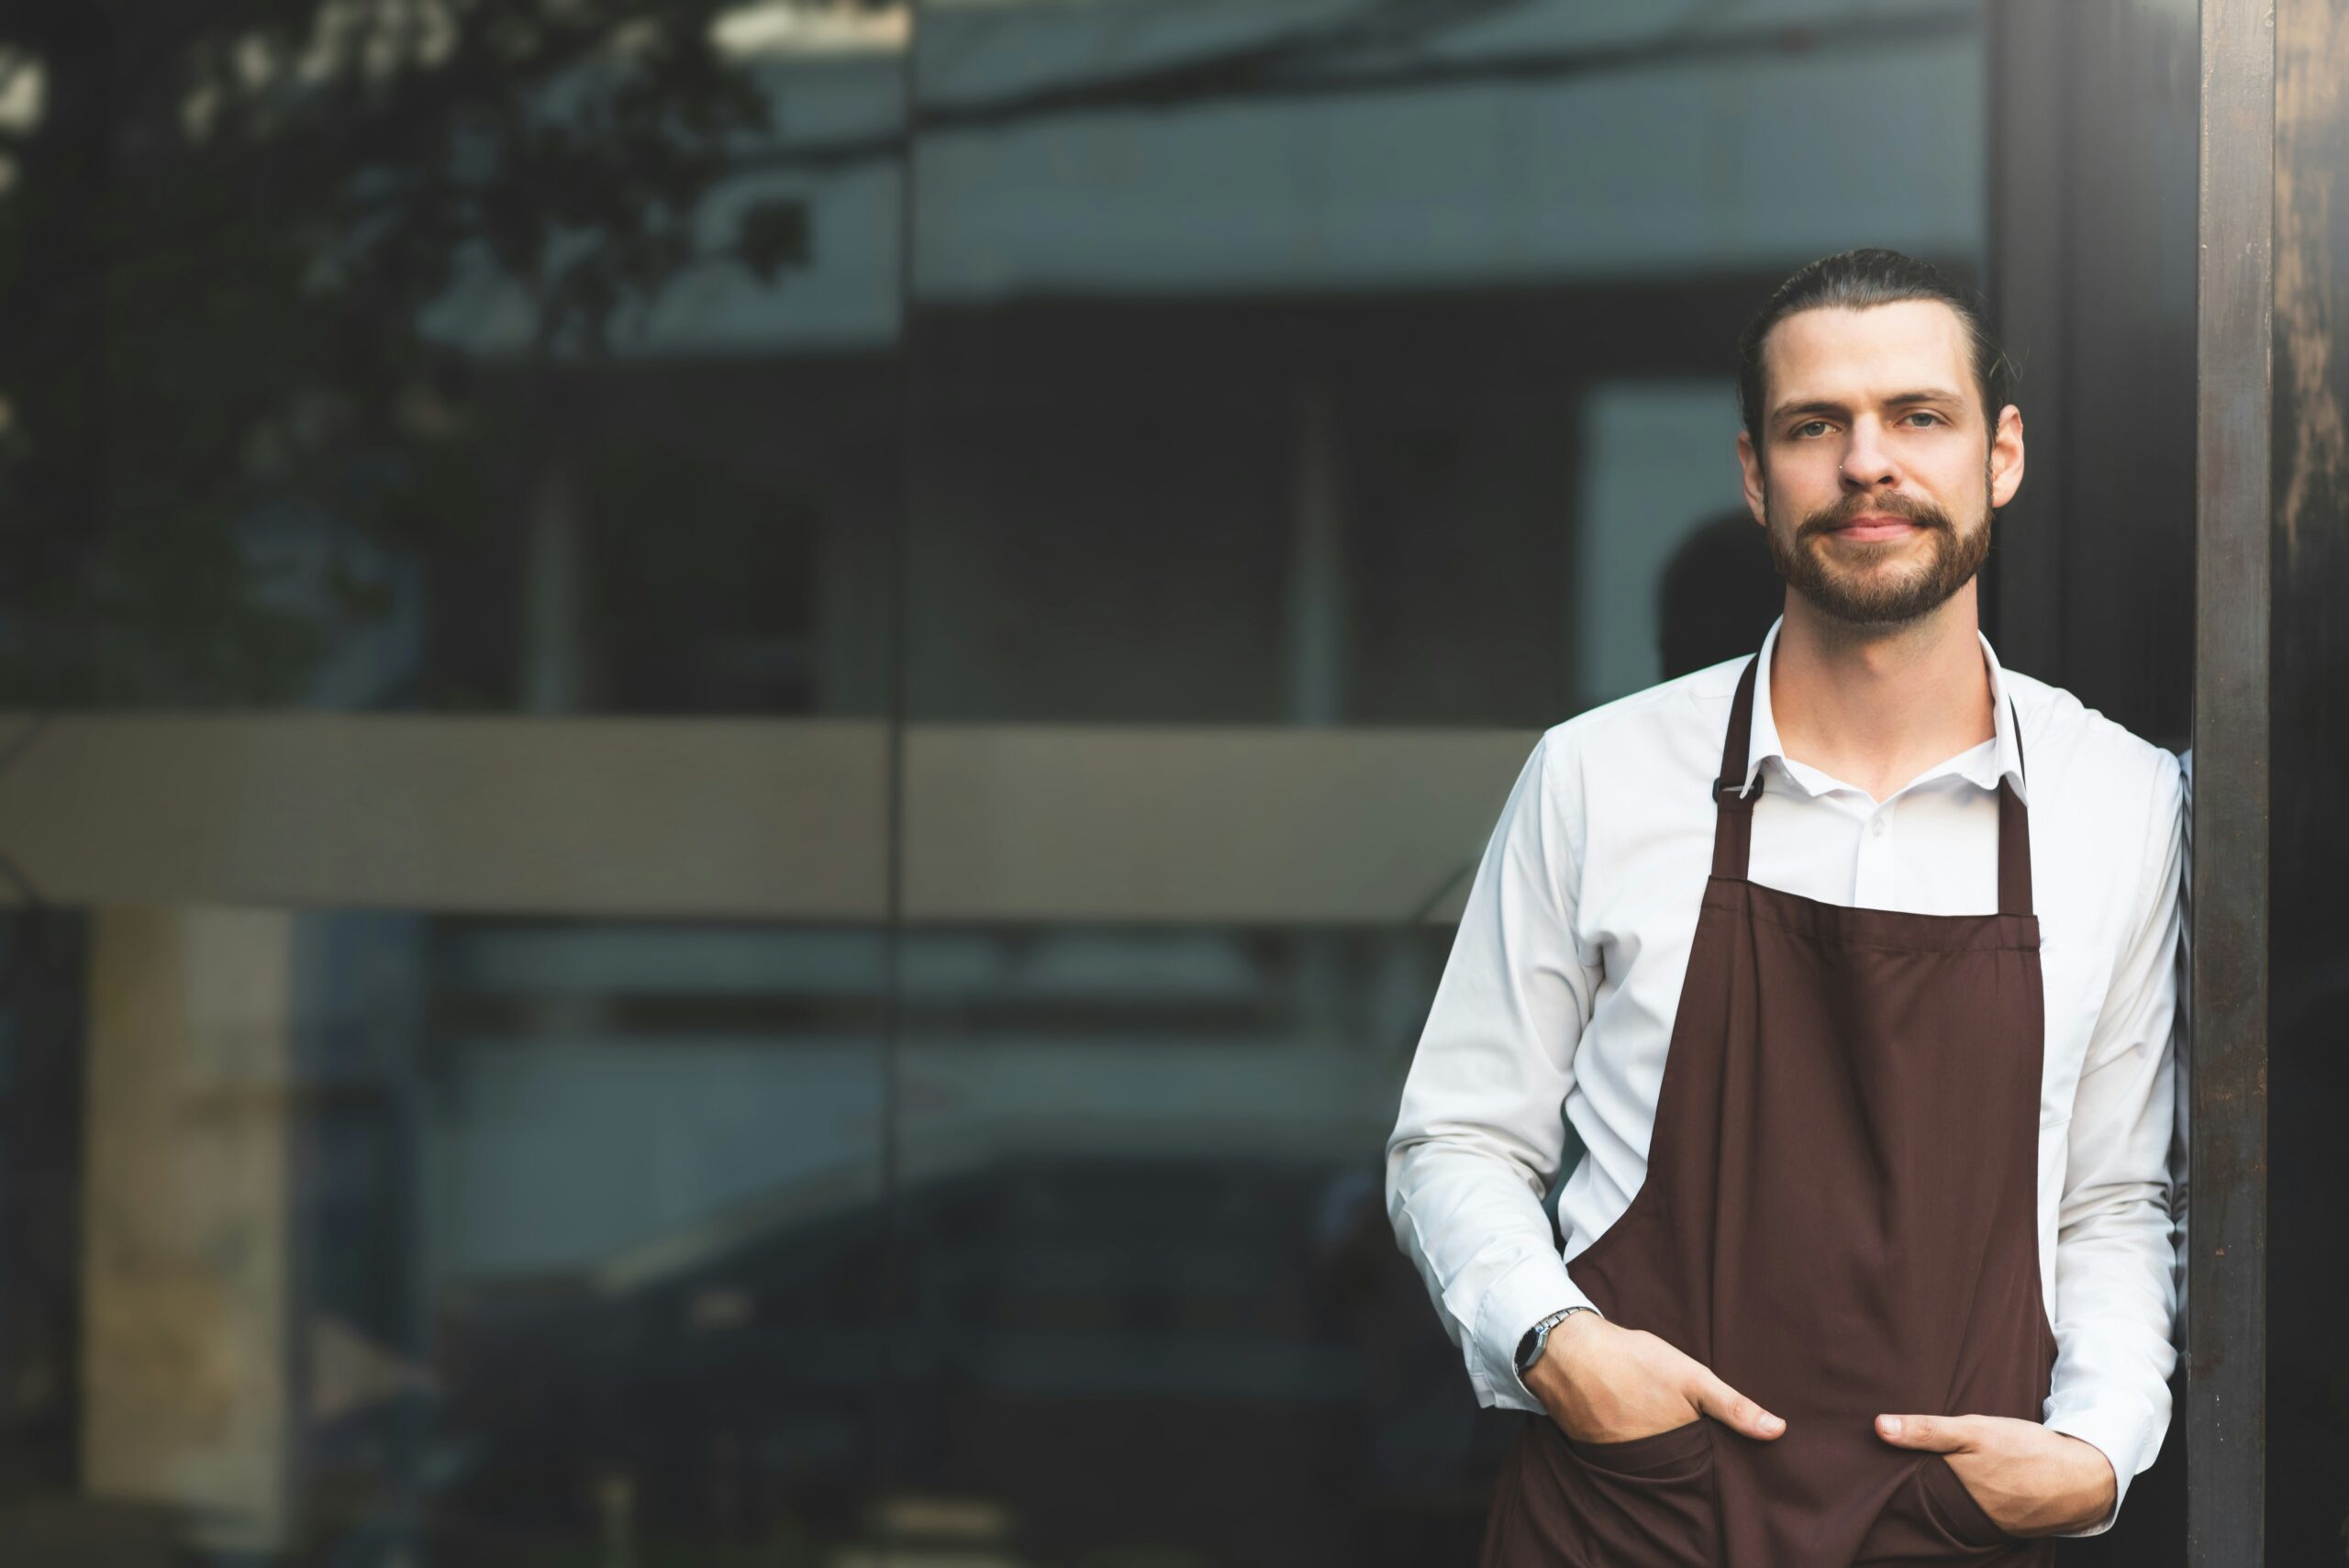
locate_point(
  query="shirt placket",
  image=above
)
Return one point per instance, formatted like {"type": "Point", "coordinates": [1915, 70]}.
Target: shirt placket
{"type": "Point", "coordinates": [1875, 883]}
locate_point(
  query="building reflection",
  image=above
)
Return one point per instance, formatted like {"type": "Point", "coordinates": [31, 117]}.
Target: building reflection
{"type": "Point", "coordinates": [744, 816]}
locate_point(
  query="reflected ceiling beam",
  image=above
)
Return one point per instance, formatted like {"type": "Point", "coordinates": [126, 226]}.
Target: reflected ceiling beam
{"type": "Point", "coordinates": [781, 820]}
{"type": "Point", "coordinates": [594, 817]}
{"type": "Point", "coordinates": [1317, 66]}
{"type": "Point", "coordinates": [1244, 824]}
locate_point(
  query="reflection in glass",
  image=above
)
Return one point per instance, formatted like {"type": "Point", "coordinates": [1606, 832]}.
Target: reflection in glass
{"type": "Point", "coordinates": [414, 1154]}
{"type": "Point", "coordinates": [1313, 400]}
{"type": "Point", "coordinates": [389, 355]}
{"type": "Point", "coordinates": [462, 1163]}
{"type": "Point", "coordinates": [453, 1240]}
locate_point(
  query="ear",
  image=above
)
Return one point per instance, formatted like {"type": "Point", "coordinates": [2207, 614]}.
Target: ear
{"type": "Point", "coordinates": [1756, 482]}
{"type": "Point", "coordinates": [2006, 456]}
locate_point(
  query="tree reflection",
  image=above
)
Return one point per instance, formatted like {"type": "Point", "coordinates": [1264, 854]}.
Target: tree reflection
{"type": "Point", "coordinates": [225, 228]}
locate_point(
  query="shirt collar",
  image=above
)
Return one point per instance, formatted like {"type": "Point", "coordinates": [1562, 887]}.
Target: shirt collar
{"type": "Point", "coordinates": [1986, 768]}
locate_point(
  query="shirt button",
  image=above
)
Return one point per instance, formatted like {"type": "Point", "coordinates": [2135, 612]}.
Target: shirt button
{"type": "Point", "coordinates": [1876, 826]}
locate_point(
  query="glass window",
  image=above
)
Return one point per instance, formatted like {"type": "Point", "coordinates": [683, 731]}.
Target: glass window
{"type": "Point", "coordinates": [1311, 402]}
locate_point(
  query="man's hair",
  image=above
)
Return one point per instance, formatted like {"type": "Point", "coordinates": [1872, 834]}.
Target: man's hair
{"type": "Point", "coordinates": [1854, 280]}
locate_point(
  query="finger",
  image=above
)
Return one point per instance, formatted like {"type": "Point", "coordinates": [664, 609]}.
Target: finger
{"type": "Point", "coordinates": [1939, 1434]}
{"type": "Point", "coordinates": [1730, 1407]}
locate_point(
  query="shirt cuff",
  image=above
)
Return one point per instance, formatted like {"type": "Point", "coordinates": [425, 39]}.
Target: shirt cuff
{"type": "Point", "coordinates": [2121, 1438]}
{"type": "Point", "coordinates": [1527, 1294]}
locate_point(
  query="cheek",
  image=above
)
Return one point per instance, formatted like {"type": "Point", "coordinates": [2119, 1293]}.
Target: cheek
{"type": "Point", "coordinates": [1802, 473]}
{"type": "Point", "coordinates": [1959, 475]}
{"type": "Point", "coordinates": [1803, 480]}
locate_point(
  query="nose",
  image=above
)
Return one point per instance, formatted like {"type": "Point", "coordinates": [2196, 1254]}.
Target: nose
{"type": "Point", "coordinates": [1867, 463]}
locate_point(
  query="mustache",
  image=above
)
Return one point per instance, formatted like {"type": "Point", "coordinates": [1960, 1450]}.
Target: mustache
{"type": "Point", "coordinates": [1827, 519]}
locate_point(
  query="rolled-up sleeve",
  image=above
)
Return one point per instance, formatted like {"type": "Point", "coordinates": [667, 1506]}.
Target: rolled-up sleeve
{"type": "Point", "coordinates": [1481, 1133]}
{"type": "Point", "coordinates": [2116, 1294]}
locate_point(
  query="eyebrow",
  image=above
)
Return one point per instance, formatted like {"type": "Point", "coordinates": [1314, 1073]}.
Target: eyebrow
{"type": "Point", "coordinates": [1898, 400]}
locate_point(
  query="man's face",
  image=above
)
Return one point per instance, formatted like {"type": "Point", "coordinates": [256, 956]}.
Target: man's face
{"type": "Point", "coordinates": [1879, 470]}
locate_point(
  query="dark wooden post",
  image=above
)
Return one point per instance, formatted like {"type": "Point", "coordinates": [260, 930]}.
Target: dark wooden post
{"type": "Point", "coordinates": [2308, 1269]}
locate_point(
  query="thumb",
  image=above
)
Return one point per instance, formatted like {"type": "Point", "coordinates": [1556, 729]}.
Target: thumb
{"type": "Point", "coordinates": [1939, 1434]}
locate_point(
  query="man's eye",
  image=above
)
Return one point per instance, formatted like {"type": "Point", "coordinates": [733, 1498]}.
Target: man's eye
{"type": "Point", "coordinates": [1810, 427]}
{"type": "Point", "coordinates": [1929, 417]}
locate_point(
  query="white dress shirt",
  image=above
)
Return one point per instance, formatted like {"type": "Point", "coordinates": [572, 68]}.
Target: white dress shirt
{"type": "Point", "coordinates": [1558, 1002]}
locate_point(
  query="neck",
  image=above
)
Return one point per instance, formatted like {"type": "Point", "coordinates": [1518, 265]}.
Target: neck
{"type": "Point", "coordinates": [1877, 705]}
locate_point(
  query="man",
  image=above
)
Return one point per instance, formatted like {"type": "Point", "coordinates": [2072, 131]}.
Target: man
{"type": "Point", "coordinates": [1851, 963]}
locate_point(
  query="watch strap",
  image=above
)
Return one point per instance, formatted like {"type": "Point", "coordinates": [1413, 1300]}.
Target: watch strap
{"type": "Point", "coordinates": [1529, 1348]}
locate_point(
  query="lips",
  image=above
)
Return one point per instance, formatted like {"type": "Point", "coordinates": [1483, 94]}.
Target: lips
{"type": "Point", "coordinates": [1875, 525]}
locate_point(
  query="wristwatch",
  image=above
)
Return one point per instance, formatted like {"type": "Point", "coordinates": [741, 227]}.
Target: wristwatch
{"type": "Point", "coordinates": [1529, 1349]}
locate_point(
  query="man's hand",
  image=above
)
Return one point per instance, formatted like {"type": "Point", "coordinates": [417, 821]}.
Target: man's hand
{"type": "Point", "coordinates": [2028, 1479]}
{"type": "Point", "coordinates": [1602, 1383]}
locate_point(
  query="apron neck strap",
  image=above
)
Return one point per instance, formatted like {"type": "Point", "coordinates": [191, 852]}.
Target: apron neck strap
{"type": "Point", "coordinates": [1733, 810]}
{"type": "Point", "coordinates": [2014, 851]}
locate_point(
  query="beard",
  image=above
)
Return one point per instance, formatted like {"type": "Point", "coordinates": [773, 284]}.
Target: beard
{"type": "Point", "coordinates": [1858, 595]}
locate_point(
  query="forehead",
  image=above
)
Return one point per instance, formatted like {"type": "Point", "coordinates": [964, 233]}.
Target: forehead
{"type": "Point", "coordinates": [1851, 356]}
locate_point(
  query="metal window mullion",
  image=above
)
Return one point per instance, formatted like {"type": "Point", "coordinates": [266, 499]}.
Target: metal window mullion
{"type": "Point", "coordinates": [2225, 1413]}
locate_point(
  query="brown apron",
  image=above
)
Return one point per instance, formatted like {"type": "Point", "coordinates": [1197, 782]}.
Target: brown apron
{"type": "Point", "coordinates": [1839, 1217]}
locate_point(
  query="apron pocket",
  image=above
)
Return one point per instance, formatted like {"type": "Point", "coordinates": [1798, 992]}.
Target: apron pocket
{"type": "Point", "coordinates": [1658, 1456]}
{"type": "Point", "coordinates": [1954, 1506]}
{"type": "Point", "coordinates": [1562, 1504]}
